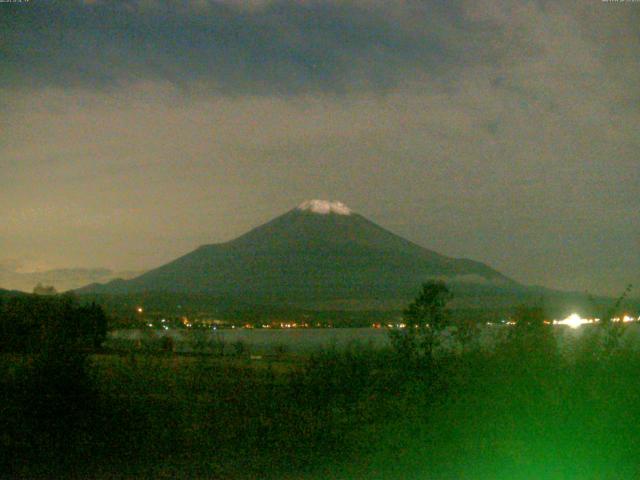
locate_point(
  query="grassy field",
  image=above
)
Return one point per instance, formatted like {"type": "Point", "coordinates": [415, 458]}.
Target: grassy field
{"type": "Point", "coordinates": [521, 411]}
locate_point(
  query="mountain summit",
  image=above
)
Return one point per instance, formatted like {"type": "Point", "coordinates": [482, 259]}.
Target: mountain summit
{"type": "Point", "coordinates": [319, 253]}
{"type": "Point", "coordinates": [324, 207]}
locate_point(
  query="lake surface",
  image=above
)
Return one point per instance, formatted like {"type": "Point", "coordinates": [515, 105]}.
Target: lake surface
{"type": "Point", "coordinates": [304, 340]}
{"type": "Point", "coordinates": [262, 340]}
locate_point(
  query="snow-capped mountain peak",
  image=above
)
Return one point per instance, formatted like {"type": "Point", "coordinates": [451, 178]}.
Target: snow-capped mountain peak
{"type": "Point", "coordinates": [324, 207]}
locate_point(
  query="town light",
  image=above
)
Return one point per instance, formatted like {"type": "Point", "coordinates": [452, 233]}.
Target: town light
{"type": "Point", "coordinates": [573, 321]}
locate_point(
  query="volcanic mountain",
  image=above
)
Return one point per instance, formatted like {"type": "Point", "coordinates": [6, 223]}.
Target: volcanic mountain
{"type": "Point", "coordinates": [319, 253]}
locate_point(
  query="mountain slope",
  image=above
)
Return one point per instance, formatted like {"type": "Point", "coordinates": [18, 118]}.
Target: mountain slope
{"type": "Point", "coordinates": [317, 252]}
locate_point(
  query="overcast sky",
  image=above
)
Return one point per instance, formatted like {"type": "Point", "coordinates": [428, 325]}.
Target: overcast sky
{"type": "Point", "coordinates": [507, 131]}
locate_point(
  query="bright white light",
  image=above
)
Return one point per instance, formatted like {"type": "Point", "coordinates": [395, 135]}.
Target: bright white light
{"type": "Point", "coordinates": [574, 321]}
{"type": "Point", "coordinates": [139, 310]}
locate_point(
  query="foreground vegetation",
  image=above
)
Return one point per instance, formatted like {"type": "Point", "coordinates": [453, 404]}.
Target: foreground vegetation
{"type": "Point", "coordinates": [519, 411]}
{"type": "Point", "coordinates": [350, 414]}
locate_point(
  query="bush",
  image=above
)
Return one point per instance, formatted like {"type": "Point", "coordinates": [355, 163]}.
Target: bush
{"type": "Point", "coordinates": [29, 322]}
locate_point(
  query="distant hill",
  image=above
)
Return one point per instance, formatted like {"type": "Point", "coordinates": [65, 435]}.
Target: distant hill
{"type": "Point", "coordinates": [318, 255]}
{"type": "Point", "coordinates": [9, 293]}
{"type": "Point", "coordinates": [62, 278]}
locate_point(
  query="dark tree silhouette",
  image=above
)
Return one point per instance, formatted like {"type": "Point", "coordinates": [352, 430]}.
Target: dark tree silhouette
{"type": "Point", "coordinates": [424, 318]}
{"type": "Point", "coordinates": [31, 323]}
{"type": "Point", "coordinates": [94, 323]}
{"type": "Point", "coordinates": [531, 335]}
{"type": "Point", "coordinates": [428, 309]}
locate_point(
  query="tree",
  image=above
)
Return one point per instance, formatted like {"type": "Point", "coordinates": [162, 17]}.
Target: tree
{"type": "Point", "coordinates": [428, 309]}
{"type": "Point", "coordinates": [33, 323]}
{"type": "Point", "coordinates": [40, 289]}
{"type": "Point", "coordinates": [528, 318]}
{"type": "Point", "coordinates": [531, 335]}
{"type": "Point", "coordinates": [94, 324]}
{"type": "Point", "coordinates": [424, 319]}
{"type": "Point", "coordinates": [614, 330]}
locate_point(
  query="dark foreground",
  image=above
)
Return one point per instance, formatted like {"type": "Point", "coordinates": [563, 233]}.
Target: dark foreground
{"type": "Point", "coordinates": [521, 412]}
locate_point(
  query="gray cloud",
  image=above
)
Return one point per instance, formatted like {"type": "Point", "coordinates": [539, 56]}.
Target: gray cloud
{"type": "Point", "coordinates": [283, 47]}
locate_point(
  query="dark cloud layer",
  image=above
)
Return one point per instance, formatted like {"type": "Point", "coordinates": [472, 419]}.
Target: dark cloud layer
{"type": "Point", "coordinates": [285, 47]}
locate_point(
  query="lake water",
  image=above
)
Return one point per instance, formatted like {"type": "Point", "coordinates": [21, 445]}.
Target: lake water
{"type": "Point", "coordinates": [304, 340]}
{"type": "Point", "coordinates": [261, 341]}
